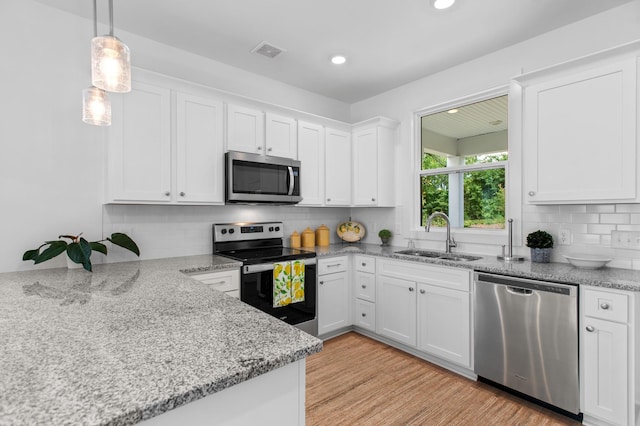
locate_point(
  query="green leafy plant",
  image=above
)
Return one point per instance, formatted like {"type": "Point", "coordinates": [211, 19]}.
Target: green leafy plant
{"type": "Point", "coordinates": [79, 250]}
{"type": "Point", "coordinates": [539, 239]}
{"type": "Point", "coordinates": [384, 233]}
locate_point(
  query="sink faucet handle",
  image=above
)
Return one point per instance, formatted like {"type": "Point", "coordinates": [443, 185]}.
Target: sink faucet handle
{"type": "Point", "coordinates": [411, 244]}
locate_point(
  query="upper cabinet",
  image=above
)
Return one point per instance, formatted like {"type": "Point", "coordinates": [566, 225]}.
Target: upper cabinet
{"type": "Point", "coordinates": [311, 156]}
{"type": "Point", "coordinates": [579, 131]}
{"type": "Point", "coordinates": [253, 131]}
{"type": "Point", "coordinates": [245, 129]}
{"type": "Point", "coordinates": [165, 146]}
{"type": "Point", "coordinates": [337, 168]}
{"type": "Point", "coordinates": [139, 146]}
{"type": "Point", "coordinates": [373, 163]}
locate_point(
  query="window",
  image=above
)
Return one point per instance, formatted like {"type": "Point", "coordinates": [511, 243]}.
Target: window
{"type": "Point", "coordinates": [464, 153]}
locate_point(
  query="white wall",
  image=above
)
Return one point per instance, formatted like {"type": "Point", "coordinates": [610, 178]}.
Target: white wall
{"type": "Point", "coordinates": [51, 164]}
{"type": "Point", "coordinates": [614, 27]}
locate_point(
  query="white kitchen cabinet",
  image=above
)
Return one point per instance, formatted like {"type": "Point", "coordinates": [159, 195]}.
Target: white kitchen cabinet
{"type": "Point", "coordinates": [245, 129]}
{"type": "Point", "coordinates": [579, 132]}
{"type": "Point", "coordinates": [281, 137]}
{"type": "Point", "coordinates": [396, 309]}
{"type": "Point", "coordinates": [373, 163]}
{"type": "Point", "coordinates": [365, 315]}
{"type": "Point", "coordinates": [608, 356]}
{"type": "Point", "coordinates": [227, 281]}
{"type": "Point", "coordinates": [139, 145]}
{"type": "Point", "coordinates": [333, 294]}
{"type": "Point", "coordinates": [311, 157]}
{"type": "Point", "coordinates": [337, 168]}
{"type": "Point", "coordinates": [364, 292]}
{"type": "Point", "coordinates": [444, 323]}
{"type": "Point", "coordinates": [199, 149]}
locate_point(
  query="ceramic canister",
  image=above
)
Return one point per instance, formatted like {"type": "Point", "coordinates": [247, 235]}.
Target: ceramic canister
{"type": "Point", "coordinates": [322, 236]}
{"type": "Point", "coordinates": [295, 240]}
{"type": "Point", "coordinates": [308, 238]}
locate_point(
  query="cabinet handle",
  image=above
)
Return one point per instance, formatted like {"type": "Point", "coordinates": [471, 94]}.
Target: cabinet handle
{"type": "Point", "coordinates": [422, 291]}
{"type": "Point", "coordinates": [334, 265]}
{"type": "Point", "coordinates": [364, 264]}
{"type": "Point", "coordinates": [167, 193]}
{"type": "Point", "coordinates": [590, 328]}
{"type": "Point", "coordinates": [269, 149]}
{"type": "Point", "coordinates": [364, 315]}
{"type": "Point", "coordinates": [182, 194]}
{"type": "Point", "coordinates": [328, 199]}
{"type": "Point", "coordinates": [259, 148]}
{"type": "Point", "coordinates": [364, 286]}
{"type": "Point", "coordinates": [373, 199]}
{"type": "Point", "coordinates": [219, 282]}
{"type": "Point", "coordinates": [604, 305]}
{"type": "Point", "coordinates": [532, 193]}
{"type": "Point", "coordinates": [321, 282]}
{"type": "Point", "coordinates": [410, 288]}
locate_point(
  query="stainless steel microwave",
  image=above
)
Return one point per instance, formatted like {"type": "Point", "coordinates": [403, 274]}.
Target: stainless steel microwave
{"type": "Point", "coordinates": [261, 179]}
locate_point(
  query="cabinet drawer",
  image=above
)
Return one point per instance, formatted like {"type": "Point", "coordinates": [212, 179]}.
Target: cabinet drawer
{"type": "Point", "coordinates": [442, 276]}
{"type": "Point", "coordinates": [332, 265]}
{"type": "Point", "coordinates": [365, 286]}
{"type": "Point", "coordinates": [222, 281]}
{"type": "Point", "coordinates": [365, 315]}
{"type": "Point", "coordinates": [365, 264]}
{"type": "Point", "coordinates": [606, 305]}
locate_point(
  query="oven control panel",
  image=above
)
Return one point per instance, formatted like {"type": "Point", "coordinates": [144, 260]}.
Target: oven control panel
{"type": "Point", "coordinates": [224, 232]}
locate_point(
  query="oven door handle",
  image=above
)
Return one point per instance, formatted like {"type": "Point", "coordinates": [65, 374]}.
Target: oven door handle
{"type": "Point", "coordinates": [261, 267]}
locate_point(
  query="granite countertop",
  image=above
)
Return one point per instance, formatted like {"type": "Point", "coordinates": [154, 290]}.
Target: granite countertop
{"type": "Point", "coordinates": [622, 279]}
{"type": "Point", "coordinates": [128, 342]}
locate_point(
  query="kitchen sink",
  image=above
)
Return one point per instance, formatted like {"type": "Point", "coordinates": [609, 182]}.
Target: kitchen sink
{"type": "Point", "coordinates": [454, 257]}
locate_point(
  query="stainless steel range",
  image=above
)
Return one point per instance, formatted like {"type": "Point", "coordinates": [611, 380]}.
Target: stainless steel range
{"type": "Point", "coordinates": [259, 246]}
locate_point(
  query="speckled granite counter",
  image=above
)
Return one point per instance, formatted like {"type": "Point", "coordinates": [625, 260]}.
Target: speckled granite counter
{"type": "Point", "coordinates": [128, 342]}
{"type": "Point", "coordinates": [624, 279]}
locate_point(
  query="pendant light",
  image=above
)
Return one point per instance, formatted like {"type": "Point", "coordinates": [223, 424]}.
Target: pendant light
{"type": "Point", "coordinates": [96, 107]}
{"type": "Point", "coordinates": [110, 61]}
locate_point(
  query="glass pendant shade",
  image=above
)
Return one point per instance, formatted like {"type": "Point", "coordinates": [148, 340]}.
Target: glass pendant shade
{"type": "Point", "coordinates": [96, 107]}
{"type": "Point", "coordinates": [110, 64]}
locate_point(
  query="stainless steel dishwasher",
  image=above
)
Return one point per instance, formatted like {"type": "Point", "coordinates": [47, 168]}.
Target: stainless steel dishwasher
{"type": "Point", "coordinates": [526, 337]}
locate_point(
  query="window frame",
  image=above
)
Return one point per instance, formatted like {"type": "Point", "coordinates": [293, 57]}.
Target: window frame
{"type": "Point", "coordinates": [513, 207]}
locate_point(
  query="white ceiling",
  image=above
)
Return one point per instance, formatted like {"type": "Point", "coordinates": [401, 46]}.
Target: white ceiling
{"type": "Point", "coordinates": [388, 42]}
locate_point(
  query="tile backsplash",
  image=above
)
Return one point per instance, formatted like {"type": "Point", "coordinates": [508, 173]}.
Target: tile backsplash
{"type": "Point", "coordinates": [590, 226]}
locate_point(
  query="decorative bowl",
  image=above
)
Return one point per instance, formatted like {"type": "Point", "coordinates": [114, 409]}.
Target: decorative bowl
{"type": "Point", "coordinates": [587, 261]}
{"type": "Point", "coordinates": [350, 231]}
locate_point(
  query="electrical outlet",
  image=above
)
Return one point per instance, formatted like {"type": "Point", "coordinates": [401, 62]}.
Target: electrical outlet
{"type": "Point", "coordinates": [564, 238]}
{"type": "Point", "coordinates": [625, 240]}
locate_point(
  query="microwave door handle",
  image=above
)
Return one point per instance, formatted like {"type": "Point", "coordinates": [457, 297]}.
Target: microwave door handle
{"type": "Point", "coordinates": [290, 180]}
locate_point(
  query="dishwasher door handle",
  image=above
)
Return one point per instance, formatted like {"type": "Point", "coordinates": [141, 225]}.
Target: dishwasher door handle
{"type": "Point", "coordinates": [519, 291]}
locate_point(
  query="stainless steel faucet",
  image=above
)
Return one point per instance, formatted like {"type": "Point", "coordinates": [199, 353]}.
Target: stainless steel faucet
{"type": "Point", "coordinates": [450, 241]}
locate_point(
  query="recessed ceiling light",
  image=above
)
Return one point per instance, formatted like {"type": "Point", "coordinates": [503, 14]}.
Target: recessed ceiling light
{"type": "Point", "coordinates": [443, 4]}
{"type": "Point", "coordinates": [338, 60]}
{"type": "Point", "coordinates": [453, 111]}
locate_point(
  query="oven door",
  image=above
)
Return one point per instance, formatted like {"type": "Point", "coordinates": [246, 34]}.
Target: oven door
{"type": "Point", "coordinates": [256, 289]}
{"type": "Point", "coordinates": [255, 178]}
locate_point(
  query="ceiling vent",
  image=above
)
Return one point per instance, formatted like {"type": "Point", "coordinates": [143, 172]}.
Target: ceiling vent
{"type": "Point", "coordinates": [267, 49]}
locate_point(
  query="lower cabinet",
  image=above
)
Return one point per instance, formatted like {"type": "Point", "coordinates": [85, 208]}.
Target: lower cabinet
{"type": "Point", "coordinates": [364, 292]}
{"type": "Point", "coordinates": [365, 315]}
{"type": "Point", "coordinates": [333, 294]}
{"type": "Point", "coordinates": [608, 361]}
{"type": "Point", "coordinates": [226, 281]}
{"type": "Point", "coordinates": [444, 323]}
{"type": "Point", "coordinates": [427, 307]}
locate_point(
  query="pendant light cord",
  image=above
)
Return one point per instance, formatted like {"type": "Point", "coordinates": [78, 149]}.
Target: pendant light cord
{"type": "Point", "coordinates": [95, 18]}
{"type": "Point", "coordinates": [111, 18]}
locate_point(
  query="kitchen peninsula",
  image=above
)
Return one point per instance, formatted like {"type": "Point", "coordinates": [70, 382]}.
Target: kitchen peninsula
{"type": "Point", "coordinates": [134, 340]}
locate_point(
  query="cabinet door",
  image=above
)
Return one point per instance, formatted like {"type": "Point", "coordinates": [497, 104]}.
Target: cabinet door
{"type": "Point", "coordinates": [337, 168]}
{"type": "Point", "coordinates": [365, 315]}
{"type": "Point", "coordinates": [245, 129]}
{"type": "Point", "coordinates": [199, 147]}
{"type": "Point", "coordinates": [333, 302]}
{"type": "Point", "coordinates": [139, 157]}
{"type": "Point", "coordinates": [606, 375]}
{"type": "Point", "coordinates": [311, 156]}
{"type": "Point", "coordinates": [281, 136]}
{"type": "Point", "coordinates": [580, 136]}
{"type": "Point", "coordinates": [444, 327]}
{"type": "Point", "coordinates": [365, 167]}
{"type": "Point", "coordinates": [396, 309]}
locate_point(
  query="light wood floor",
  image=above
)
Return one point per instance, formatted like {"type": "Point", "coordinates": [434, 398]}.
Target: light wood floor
{"type": "Point", "coordinates": [359, 381]}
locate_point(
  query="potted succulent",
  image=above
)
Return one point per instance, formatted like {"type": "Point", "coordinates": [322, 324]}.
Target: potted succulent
{"type": "Point", "coordinates": [385, 236]}
{"type": "Point", "coordinates": [540, 243]}
{"type": "Point", "coordinates": [79, 250]}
